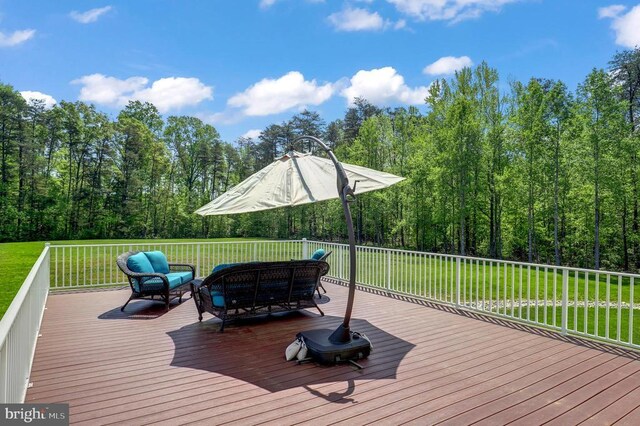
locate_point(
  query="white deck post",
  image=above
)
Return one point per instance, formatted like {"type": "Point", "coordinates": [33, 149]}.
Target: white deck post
{"type": "Point", "coordinates": [388, 275]}
{"type": "Point", "coordinates": [197, 260]}
{"type": "Point", "coordinates": [565, 300]}
{"type": "Point", "coordinates": [457, 281]}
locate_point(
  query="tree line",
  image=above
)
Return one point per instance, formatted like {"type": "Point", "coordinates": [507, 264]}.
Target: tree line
{"type": "Point", "coordinates": [534, 172]}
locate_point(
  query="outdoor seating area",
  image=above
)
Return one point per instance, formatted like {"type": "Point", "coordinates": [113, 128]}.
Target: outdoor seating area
{"type": "Point", "coordinates": [258, 288]}
{"type": "Point", "coordinates": [431, 364]}
{"type": "Point", "coordinates": [150, 275]}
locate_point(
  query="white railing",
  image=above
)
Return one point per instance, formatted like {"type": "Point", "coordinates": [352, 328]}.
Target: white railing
{"type": "Point", "coordinates": [94, 265]}
{"type": "Point", "coordinates": [595, 304]}
{"type": "Point", "coordinates": [588, 303]}
{"type": "Point", "coordinates": [19, 329]}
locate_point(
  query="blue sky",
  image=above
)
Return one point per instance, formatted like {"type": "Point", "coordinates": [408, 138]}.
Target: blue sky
{"type": "Point", "coordinates": [244, 64]}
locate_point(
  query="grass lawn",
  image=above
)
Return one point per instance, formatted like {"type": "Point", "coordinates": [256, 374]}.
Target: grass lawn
{"type": "Point", "coordinates": [434, 277]}
{"type": "Point", "coordinates": [16, 260]}
{"type": "Point", "coordinates": [619, 321]}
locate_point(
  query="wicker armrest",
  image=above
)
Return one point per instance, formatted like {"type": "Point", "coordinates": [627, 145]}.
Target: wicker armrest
{"type": "Point", "coordinates": [183, 265]}
{"type": "Point", "coordinates": [196, 284]}
{"type": "Point", "coordinates": [147, 274]}
{"type": "Point", "coordinates": [150, 275]}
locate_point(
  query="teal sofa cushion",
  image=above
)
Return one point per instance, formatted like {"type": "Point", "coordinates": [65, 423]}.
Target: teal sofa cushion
{"type": "Point", "coordinates": [217, 299]}
{"type": "Point", "coordinates": [139, 263]}
{"type": "Point", "coordinates": [223, 266]}
{"type": "Point", "coordinates": [317, 254]}
{"type": "Point", "coordinates": [158, 261]}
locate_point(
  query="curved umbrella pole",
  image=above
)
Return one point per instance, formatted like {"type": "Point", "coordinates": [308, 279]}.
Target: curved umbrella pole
{"type": "Point", "coordinates": [346, 192]}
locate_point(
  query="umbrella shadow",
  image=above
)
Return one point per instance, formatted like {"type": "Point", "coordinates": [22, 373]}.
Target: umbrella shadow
{"type": "Point", "coordinates": [253, 352]}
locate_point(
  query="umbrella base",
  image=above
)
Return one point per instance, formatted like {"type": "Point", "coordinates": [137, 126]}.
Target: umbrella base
{"type": "Point", "coordinates": [330, 347]}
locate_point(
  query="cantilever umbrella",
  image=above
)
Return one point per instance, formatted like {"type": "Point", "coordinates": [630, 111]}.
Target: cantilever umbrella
{"type": "Point", "coordinates": [297, 179]}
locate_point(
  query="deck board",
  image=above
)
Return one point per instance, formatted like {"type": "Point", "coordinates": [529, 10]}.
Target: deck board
{"type": "Point", "coordinates": [430, 365]}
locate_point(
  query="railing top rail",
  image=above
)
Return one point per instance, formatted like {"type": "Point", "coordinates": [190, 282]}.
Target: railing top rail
{"type": "Point", "coordinates": [508, 262]}
{"type": "Point", "coordinates": [151, 243]}
{"type": "Point", "coordinates": [12, 312]}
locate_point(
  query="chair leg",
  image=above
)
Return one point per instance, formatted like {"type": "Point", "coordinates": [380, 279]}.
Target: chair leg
{"type": "Point", "coordinates": [318, 308]}
{"type": "Point", "coordinates": [125, 305]}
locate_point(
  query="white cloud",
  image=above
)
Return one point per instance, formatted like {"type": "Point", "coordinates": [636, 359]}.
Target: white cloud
{"type": "Point", "coordinates": [611, 11]}
{"type": "Point", "coordinates": [356, 19]}
{"type": "Point", "coordinates": [252, 134]}
{"type": "Point", "coordinates": [400, 24]}
{"type": "Point", "coordinates": [15, 38]}
{"type": "Point", "coordinates": [270, 96]}
{"type": "Point", "coordinates": [166, 93]}
{"type": "Point", "coordinates": [626, 27]}
{"type": "Point", "coordinates": [383, 86]}
{"type": "Point", "coordinates": [29, 96]}
{"type": "Point", "coordinates": [448, 10]}
{"type": "Point", "coordinates": [265, 4]}
{"type": "Point", "coordinates": [447, 65]}
{"type": "Point", "coordinates": [90, 15]}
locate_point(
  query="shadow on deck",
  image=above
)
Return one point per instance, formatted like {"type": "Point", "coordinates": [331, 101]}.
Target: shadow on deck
{"type": "Point", "coordinates": [430, 364]}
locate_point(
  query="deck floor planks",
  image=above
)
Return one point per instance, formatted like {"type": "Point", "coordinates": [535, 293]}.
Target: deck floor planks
{"type": "Point", "coordinates": [606, 396]}
{"type": "Point", "coordinates": [157, 368]}
{"type": "Point", "coordinates": [369, 390]}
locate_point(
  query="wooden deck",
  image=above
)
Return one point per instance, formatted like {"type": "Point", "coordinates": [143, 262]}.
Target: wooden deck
{"type": "Point", "coordinates": [430, 365]}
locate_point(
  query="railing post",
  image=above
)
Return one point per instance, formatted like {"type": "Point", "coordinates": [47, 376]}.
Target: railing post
{"type": "Point", "coordinates": [48, 244]}
{"type": "Point", "coordinates": [565, 301]}
{"type": "Point", "coordinates": [457, 281]}
{"type": "Point", "coordinates": [197, 260]}
{"type": "Point", "coordinates": [305, 248]}
{"type": "Point", "coordinates": [388, 274]}
{"type": "Point", "coordinates": [255, 251]}
{"type": "Point", "coordinates": [4, 367]}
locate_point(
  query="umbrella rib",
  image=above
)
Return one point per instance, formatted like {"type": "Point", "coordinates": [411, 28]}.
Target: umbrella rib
{"type": "Point", "coordinates": [302, 180]}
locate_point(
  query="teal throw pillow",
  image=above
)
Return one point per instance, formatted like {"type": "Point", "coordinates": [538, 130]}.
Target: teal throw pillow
{"type": "Point", "coordinates": [158, 261]}
{"type": "Point", "coordinates": [317, 254]}
{"type": "Point", "coordinates": [139, 263]}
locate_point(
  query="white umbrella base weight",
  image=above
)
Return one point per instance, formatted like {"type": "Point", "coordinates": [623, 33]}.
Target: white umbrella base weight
{"type": "Point", "coordinates": [323, 350]}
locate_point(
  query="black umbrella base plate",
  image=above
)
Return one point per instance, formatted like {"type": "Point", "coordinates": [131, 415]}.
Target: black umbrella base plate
{"type": "Point", "coordinates": [324, 351]}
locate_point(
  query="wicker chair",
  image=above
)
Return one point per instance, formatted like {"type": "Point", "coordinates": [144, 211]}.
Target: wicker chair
{"type": "Point", "coordinates": [257, 288]}
{"type": "Point", "coordinates": [149, 285]}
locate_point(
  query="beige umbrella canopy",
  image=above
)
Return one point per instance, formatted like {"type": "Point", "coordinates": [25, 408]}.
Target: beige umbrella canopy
{"type": "Point", "coordinates": [297, 179]}
{"type": "Point", "coordinates": [293, 180]}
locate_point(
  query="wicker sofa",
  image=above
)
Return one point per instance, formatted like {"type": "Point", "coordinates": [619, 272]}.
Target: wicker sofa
{"type": "Point", "coordinates": [151, 276]}
{"type": "Point", "coordinates": [257, 288]}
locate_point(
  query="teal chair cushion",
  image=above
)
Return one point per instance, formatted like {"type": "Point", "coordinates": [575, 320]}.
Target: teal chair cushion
{"type": "Point", "coordinates": [317, 254]}
{"type": "Point", "coordinates": [185, 276]}
{"type": "Point", "coordinates": [174, 278]}
{"type": "Point", "coordinates": [139, 263]}
{"type": "Point", "coordinates": [158, 261]}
